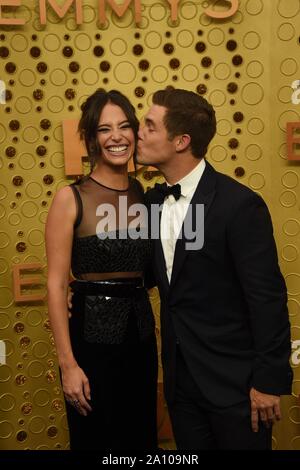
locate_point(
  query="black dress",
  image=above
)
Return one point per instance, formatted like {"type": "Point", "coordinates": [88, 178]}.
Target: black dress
{"type": "Point", "coordinates": [112, 336]}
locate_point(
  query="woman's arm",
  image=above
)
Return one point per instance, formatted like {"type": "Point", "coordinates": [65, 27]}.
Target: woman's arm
{"type": "Point", "coordinates": [59, 237]}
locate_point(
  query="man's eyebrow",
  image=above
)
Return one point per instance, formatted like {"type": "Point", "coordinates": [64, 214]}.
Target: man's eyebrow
{"type": "Point", "coordinates": [149, 121]}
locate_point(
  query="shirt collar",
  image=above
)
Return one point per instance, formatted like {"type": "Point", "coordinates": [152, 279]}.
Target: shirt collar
{"type": "Point", "coordinates": [190, 181]}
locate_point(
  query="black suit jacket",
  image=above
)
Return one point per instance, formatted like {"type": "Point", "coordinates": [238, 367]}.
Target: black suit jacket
{"type": "Point", "coordinates": [226, 304]}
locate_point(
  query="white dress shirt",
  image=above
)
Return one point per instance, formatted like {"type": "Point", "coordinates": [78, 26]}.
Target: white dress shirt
{"type": "Point", "coordinates": [174, 212]}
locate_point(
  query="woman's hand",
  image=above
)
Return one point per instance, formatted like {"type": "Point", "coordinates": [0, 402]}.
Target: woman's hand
{"type": "Point", "coordinates": [76, 388]}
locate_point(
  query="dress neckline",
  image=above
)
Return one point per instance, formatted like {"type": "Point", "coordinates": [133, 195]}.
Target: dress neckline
{"type": "Point", "coordinates": [107, 187]}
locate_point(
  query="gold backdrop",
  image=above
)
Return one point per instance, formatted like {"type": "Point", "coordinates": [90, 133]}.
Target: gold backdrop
{"type": "Point", "coordinates": [243, 65]}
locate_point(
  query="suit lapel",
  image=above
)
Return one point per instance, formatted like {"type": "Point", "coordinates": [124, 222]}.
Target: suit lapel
{"type": "Point", "coordinates": [160, 259]}
{"type": "Point", "coordinates": [204, 194]}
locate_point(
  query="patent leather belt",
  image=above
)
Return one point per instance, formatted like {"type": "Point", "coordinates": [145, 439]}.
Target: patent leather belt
{"type": "Point", "coordinates": [120, 287]}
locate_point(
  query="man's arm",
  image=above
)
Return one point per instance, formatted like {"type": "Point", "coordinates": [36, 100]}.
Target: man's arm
{"type": "Point", "coordinates": [251, 241]}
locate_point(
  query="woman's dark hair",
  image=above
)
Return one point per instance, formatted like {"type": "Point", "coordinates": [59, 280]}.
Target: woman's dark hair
{"type": "Point", "coordinates": [89, 122]}
{"type": "Point", "coordinates": [188, 113]}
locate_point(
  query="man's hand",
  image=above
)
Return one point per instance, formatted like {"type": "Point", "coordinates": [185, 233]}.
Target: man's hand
{"type": "Point", "coordinates": [264, 407]}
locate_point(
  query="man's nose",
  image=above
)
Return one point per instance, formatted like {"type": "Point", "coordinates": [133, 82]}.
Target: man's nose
{"type": "Point", "coordinates": [140, 133]}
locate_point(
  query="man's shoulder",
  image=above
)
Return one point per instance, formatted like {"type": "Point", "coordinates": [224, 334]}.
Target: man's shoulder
{"type": "Point", "coordinates": [229, 187]}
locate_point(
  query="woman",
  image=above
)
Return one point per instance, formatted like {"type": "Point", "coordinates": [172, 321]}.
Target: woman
{"type": "Point", "coordinates": [107, 350]}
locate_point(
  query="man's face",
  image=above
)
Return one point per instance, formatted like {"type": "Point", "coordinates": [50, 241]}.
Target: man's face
{"type": "Point", "coordinates": [154, 146]}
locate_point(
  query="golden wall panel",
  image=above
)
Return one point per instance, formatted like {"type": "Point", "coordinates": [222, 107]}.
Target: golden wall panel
{"type": "Point", "coordinates": [244, 65]}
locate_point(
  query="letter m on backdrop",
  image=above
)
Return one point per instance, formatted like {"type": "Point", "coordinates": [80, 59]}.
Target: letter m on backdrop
{"type": "Point", "coordinates": [61, 11]}
{"type": "Point", "coordinates": [120, 9]}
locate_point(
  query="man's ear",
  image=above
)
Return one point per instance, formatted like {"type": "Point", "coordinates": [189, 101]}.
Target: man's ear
{"type": "Point", "coordinates": [182, 142]}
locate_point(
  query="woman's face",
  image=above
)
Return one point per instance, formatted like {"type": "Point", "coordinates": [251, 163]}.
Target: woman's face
{"type": "Point", "coordinates": [115, 136]}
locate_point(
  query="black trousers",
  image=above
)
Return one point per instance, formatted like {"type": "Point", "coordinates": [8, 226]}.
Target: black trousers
{"type": "Point", "coordinates": [197, 425]}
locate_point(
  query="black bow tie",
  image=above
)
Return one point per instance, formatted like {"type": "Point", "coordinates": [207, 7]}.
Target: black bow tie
{"type": "Point", "coordinates": [166, 190]}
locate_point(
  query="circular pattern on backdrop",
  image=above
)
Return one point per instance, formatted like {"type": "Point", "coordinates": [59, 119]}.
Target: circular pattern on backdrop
{"type": "Point", "coordinates": [237, 18]}
{"type": "Point", "coordinates": [217, 98]}
{"type": "Point", "coordinates": [127, 19]}
{"type": "Point", "coordinates": [222, 71]}
{"type": "Point", "coordinates": [33, 189]}
{"type": "Point", "coordinates": [291, 227]}
{"type": "Point", "coordinates": [34, 317]}
{"type": "Point", "coordinates": [253, 152]}
{"type": "Point", "coordinates": [256, 181]}
{"type": "Point", "coordinates": [289, 253]}
{"type": "Point", "coordinates": [284, 94]}
{"type": "Point", "coordinates": [90, 76]}
{"type": "Point", "coordinates": [288, 9]}
{"type": "Point", "coordinates": [118, 47]}
{"type": "Point", "coordinates": [83, 42]}
{"type": "Point", "coordinates": [218, 153]}
{"type": "Point", "coordinates": [57, 160]}
{"type": "Point", "coordinates": [23, 105]}
{"type": "Point", "coordinates": [19, 43]}
{"type": "Point", "coordinates": [185, 38]}
{"type": "Point", "coordinates": [6, 298]}
{"type": "Point", "coordinates": [254, 69]}
{"type": "Point", "coordinates": [6, 429]}
{"type": "Point", "coordinates": [5, 373]}
{"type": "Point", "coordinates": [288, 198]}
{"type": "Point", "coordinates": [293, 283]}
{"type": "Point", "coordinates": [216, 36]}
{"type": "Point", "coordinates": [4, 320]}
{"type": "Point", "coordinates": [251, 40]}
{"type": "Point", "coordinates": [58, 77]}
{"type": "Point", "coordinates": [37, 424]}
{"type": "Point", "coordinates": [3, 191]}
{"type": "Point", "coordinates": [252, 93]}
{"type": "Point", "coordinates": [188, 10]}
{"type": "Point", "coordinates": [31, 134]}
{"type": "Point", "coordinates": [205, 20]}
{"type": "Point", "coordinates": [2, 211]}
{"type": "Point", "coordinates": [27, 77]}
{"type": "Point", "coordinates": [255, 126]}
{"type": "Point", "coordinates": [29, 209]}
{"type": "Point", "coordinates": [55, 104]}
{"type": "Point", "coordinates": [293, 307]}
{"type": "Point", "coordinates": [224, 127]}
{"type": "Point", "coordinates": [3, 269]}
{"type": "Point", "coordinates": [287, 116]}
{"type": "Point", "coordinates": [290, 179]}
{"type": "Point", "coordinates": [254, 7]}
{"type": "Point", "coordinates": [36, 369]}
{"type": "Point", "coordinates": [40, 349]}
{"type": "Point", "coordinates": [51, 42]}
{"type": "Point", "coordinates": [160, 74]}
{"type": "Point", "coordinates": [58, 134]}
{"type": "Point", "coordinates": [14, 219]}
{"type": "Point", "coordinates": [190, 73]}
{"type": "Point", "coordinates": [153, 40]}
{"type": "Point", "coordinates": [157, 12]}
{"type": "Point", "coordinates": [289, 66]}
{"type": "Point", "coordinates": [89, 14]}
{"type": "Point", "coordinates": [4, 240]}
{"type": "Point", "coordinates": [125, 72]}
{"type": "Point", "coordinates": [26, 161]}
{"type": "Point", "coordinates": [36, 237]}
{"type": "Point", "coordinates": [7, 402]}
{"type": "Point", "coordinates": [286, 32]}
{"type": "Point", "coordinates": [3, 133]}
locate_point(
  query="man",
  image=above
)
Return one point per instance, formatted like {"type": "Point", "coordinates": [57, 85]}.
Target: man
{"type": "Point", "coordinates": [224, 319]}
